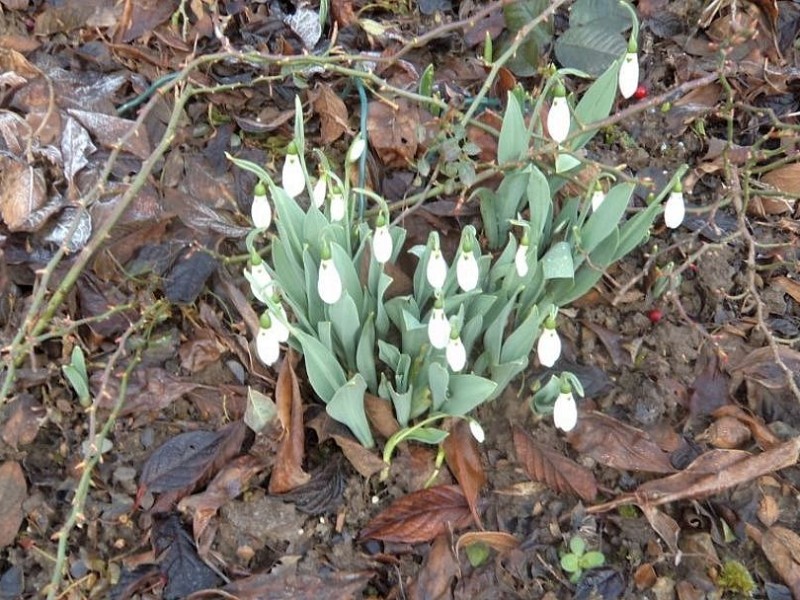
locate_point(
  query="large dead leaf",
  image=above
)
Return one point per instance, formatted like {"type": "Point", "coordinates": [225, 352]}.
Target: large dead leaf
{"type": "Point", "coordinates": [615, 444]}
{"type": "Point", "coordinates": [464, 460]}
{"type": "Point", "coordinates": [23, 191]}
{"type": "Point", "coordinates": [557, 471]}
{"type": "Point", "coordinates": [21, 420]}
{"type": "Point", "coordinates": [288, 472]}
{"type": "Point", "coordinates": [785, 179]}
{"type": "Point", "coordinates": [332, 113]}
{"type": "Point", "coordinates": [393, 132]}
{"type": "Point", "coordinates": [283, 582]}
{"type": "Point", "coordinates": [110, 131]}
{"type": "Point", "coordinates": [13, 492]}
{"type": "Point", "coordinates": [782, 547]}
{"type": "Point", "coordinates": [436, 576]}
{"type": "Point", "coordinates": [421, 516]}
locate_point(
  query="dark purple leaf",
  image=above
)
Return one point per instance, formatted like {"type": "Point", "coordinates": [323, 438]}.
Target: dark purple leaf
{"type": "Point", "coordinates": [188, 276]}
{"type": "Point", "coordinates": [181, 462]}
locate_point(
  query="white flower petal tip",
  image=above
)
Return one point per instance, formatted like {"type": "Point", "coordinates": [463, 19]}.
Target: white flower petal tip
{"type": "Point", "coordinates": [629, 74]}
{"type": "Point", "coordinates": [565, 412]}
{"type": "Point", "coordinates": [356, 149]}
{"type": "Point", "coordinates": [292, 178]}
{"type": "Point", "coordinates": [674, 210]}
{"type": "Point", "coordinates": [436, 271]}
{"type": "Point", "coordinates": [477, 431]}
{"type": "Point", "coordinates": [261, 211]}
{"type": "Point", "coordinates": [521, 260]}
{"type": "Point", "coordinates": [467, 272]}
{"type": "Point", "coordinates": [260, 281]}
{"type": "Point", "coordinates": [558, 119]}
{"type": "Point", "coordinates": [548, 348]}
{"type": "Point", "coordinates": [338, 207]}
{"type": "Point", "coordinates": [268, 345]}
{"type": "Point", "coordinates": [329, 283]}
{"type": "Point", "coordinates": [319, 192]}
{"type": "Point", "coordinates": [382, 244]}
{"type": "Point", "coordinates": [598, 197]}
{"type": "Point", "coordinates": [279, 325]}
{"type": "Point", "coordinates": [438, 329]}
{"type": "Point", "coordinates": [456, 354]}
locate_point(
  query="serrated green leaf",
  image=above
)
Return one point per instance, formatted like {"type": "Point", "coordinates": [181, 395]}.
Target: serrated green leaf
{"type": "Point", "coordinates": [347, 406]}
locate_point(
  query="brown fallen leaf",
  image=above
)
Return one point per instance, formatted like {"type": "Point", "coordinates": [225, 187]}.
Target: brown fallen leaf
{"type": "Point", "coordinates": [557, 471]}
{"type": "Point", "coordinates": [23, 192]}
{"type": "Point", "coordinates": [421, 516]}
{"type": "Point", "coordinates": [761, 433]}
{"type": "Point", "coordinates": [332, 113]}
{"type": "Point", "coordinates": [789, 286]}
{"type": "Point", "coordinates": [13, 492]}
{"type": "Point", "coordinates": [464, 460]}
{"type": "Point", "coordinates": [438, 571]}
{"type": "Point", "coordinates": [288, 473]}
{"type": "Point", "coordinates": [782, 547]}
{"type": "Point", "coordinates": [710, 387]}
{"type": "Point", "coordinates": [363, 460]}
{"type": "Point", "coordinates": [617, 445]}
{"type": "Point", "coordinates": [21, 420]}
{"type": "Point", "coordinates": [664, 525]}
{"type": "Point", "coordinates": [283, 582]}
{"type": "Point", "coordinates": [497, 540]}
{"type": "Point", "coordinates": [113, 132]}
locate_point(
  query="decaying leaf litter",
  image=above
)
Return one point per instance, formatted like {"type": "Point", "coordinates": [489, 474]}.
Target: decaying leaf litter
{"type": "Point", "coordinates": [115, 122]}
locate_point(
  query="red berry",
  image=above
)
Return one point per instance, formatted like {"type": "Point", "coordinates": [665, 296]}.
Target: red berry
{"type": "Point", "coordinates": [655, 315]}
{"type": "Point", "coordinates": [640, 93]}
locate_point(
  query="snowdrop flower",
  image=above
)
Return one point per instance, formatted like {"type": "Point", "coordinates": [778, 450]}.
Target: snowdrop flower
{"type": "Point", "coordinates": [548, 349]}
{"type": "Point", "coordinates": [329, 283]}
{"type": "Point", "coordinates": [598, 196]}
{"type": "Point", "coordinates": [259, 278]}
{"type": "Point", "coordinates": [477, 431]}
{"type": "Point", "coordinates": [260, 210]}
{"type": "Point", "coordinates": [467, 272]}
{"type": "Point", "coordinates": [675, 208]}
{"type": "Point", "coordinates": [558, 119]}
{"type": "Point", "coordinates": [521, 257]}
{"type": "Point", "coordinates": [319, 192]}
{"type": "Point", "coordinates": [338, 206]}
{"type": "Point", "coordinates": [438, 326]}
{"type": "Point", "coordinates": [292, 178]}
{"type": "Point", "coordinates": [356, 149]}
{"type": "Point", "coordinates": [456, 354]}
{"type": "Point", "coordinates": [565, 411]}
{"type": "Point", "coordinates": [629, 71]}
{"type": "Point", "coordinates": [382, 241]}
{"type": "Point", "coordinates": [436, 271]}
{"type": "Point", "coordinates": [279, 321]}
{"type": "Point", "coordinates": [267, 343]}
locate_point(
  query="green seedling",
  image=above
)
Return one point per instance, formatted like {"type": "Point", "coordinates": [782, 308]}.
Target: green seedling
{"type": "Point", "coordinates": [75, 372]}
{"type": "Point", "coordinates": [577, 560]}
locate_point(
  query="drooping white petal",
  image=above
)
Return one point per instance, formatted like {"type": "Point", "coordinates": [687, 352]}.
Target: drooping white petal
{"type": "Point", "coordinates": [467, 272]}
{"type": "Point", "coordinates": [261, 211]}
{"type": "Point", "coordinates": [548, 348]}
{"type": "Point", "coordinates": [436, 271]}
{"type": "Point", "coordinates": [292, 178]}
{"type": "Point", "coordinates": [382, 244]}
{"type": "Point", "coordinates": [456, 354]}
{"type": "Point", "coordinates": [329, 283]}
{"type": "Point", "coordinates": [629, 74]}
{"type": "Point", "coordinates": [267, 345]}
{"type": "Point", "coordinates": [674, 210]}
{"type": "Point", "coordinates": [521, 260]}
{"type": "Point", "coordinates": [279, 325]}
{"type": "Point", "coordinates": [477, 431]}
{"type": "Point", "coordinates": [260, 281]}
{"type": "Point", "coordinates": [356, 149]}
{"type": "Point", "coordinates": [565, 412]}
{"type": "Point", "coordinates": [598, 197]}
{"type": "Point", "coordinates": [558, 119]}
{"type": "Point", "coordinates": [319, 191]}
{"type": "Point", "coordinates": [438, 329]}
{"type": "Point", "coordinates": [338, 206]}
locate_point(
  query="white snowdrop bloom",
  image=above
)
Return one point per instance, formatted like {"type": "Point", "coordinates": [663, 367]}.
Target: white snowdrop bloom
{"type": "Point", "coordinates": [260, 210]}
{"type": "Point", "coordinates": [382, 244]}
{"type": "Point", "coordinates": [438, 328]}
{"type": "Point", "coordinates": [356, 149]}
{"type": "Point", "coordinates": [477, 431]}
{"type": "Point", "coordinates": [319, 192]}
{"type": "Point", "coordinates": [338, 206]}
{"type": "Point", "coordinates": [260, 280]}
{"type": "Point", "coordinates": [565, 412]}
{"type": "Point", "coordinates": [292, 178]}
{"type": "Point", "coordinates": [521, 259]}
{"type": "Point", "coordinates": [548, 348]}
{"type": "Point", "coordinates": [329, 283]}
{"type": "Point", "coordinates": [436, 272]}
{"type": "Point", "coordinates": [629, 74]}
{"type": "Point", "coordinates": [674, 209]}
{"type": "Point", "coordinates": [456, 354]}
{"type": "Point", "coordinates": [279, 324]}
{"type": "Point", "coordinates": [598, 197]}
{"type": "Point", "coordinates": [467, 272]}
{"type": "Point", "coordinates": [267, 343]}
{"type": "Point", "coordinates": [558, 119]}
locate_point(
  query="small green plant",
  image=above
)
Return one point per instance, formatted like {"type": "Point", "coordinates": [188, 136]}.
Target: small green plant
{"type": "Point", "coordinates": [736, 579]}
{"type": "Point", "coordinates": [78, 378]}
{"type": "Point", "coordinates": [577, 560]}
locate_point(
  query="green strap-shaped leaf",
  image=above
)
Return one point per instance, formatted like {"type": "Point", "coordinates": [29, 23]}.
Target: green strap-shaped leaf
{"type": "Point", "coordinates": [596, 104]}
{"type": "Point", "coordinates": [347, 406]}
{"type": "Point", "coordinates": [365, 354]}
{"type": "Point", "coordinates": [557, 263]}
{"type": "Point", "coordinates": [466, 392]}
{"type": "Point", "coordinates": [606, 218]}
{"type": "Point", "coordinates": [438, 381]}
{"type": "Point", "coordinates": [324, 372]}
{"type": "Point", "coordinates": [512, 145]}
{"type": "Point", "coordinates": [345, 321]}
{"type": "Point", "coordinates": [520, 343]}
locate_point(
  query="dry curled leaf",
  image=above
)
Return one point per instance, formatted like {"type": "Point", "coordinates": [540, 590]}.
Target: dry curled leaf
{"type": "Point", "coordinates": [421, 516]}
{"type": "Point", "coordinates": [557, 471]}
{"type": "Point", "coordinates": [782, 547]}
{"type": "Point", "coordinates": [332, 113]}
{"type": "Point", "coordinates": [464, 459]}
{"type": "Point", "coordinates": [13, 492]}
